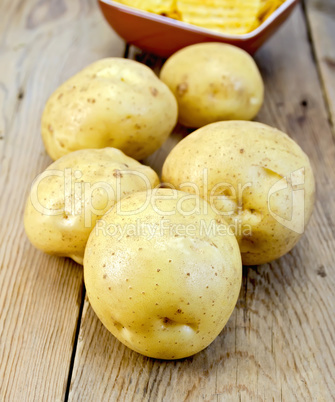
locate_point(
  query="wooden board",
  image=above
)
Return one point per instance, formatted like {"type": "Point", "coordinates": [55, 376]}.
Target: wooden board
{"type": "Point", "coordinates": [321, 18]}
{"type": "Point", "coordinates": [42, 44]}
{"type": "Point", "coordinates": [279, 342]}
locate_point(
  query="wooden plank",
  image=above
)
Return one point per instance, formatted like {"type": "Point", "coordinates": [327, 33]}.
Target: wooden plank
{"type": "Point", "coordinates": [278, 344]}
{"type": "Point", "coordinates": [42, 43]}
{"type": "Point", "coordinates": [321, 17]}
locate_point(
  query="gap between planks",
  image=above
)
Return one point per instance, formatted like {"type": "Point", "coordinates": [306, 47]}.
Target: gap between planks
{"type": "Point", "coordinates": [75, 341]}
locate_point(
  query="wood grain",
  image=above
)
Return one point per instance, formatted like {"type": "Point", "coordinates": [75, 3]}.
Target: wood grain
{"type": "Point", "coordinates": [321, 18]}
{"type": "Point", "coordinates": [279, 343]}
{"type": "Point", "coordinates": [42, 43]}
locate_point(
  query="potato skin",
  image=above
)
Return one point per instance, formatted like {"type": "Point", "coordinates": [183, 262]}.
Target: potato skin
{"type": "Point", "coordinates": [213, 82]}
{"type": "Point", "coordinates": [170, 295]}
{"type": "Point", "coordinates": [113, 102]}
{"type": "Point", "coordinates": [72, 193]}
{"type": "Point", "coordinates": [250, 160]}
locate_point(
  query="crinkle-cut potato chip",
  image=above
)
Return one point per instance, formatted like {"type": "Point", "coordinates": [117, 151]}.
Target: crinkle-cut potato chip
{"type": "Point", "coordinates": [228, 16]}
{"type": "Point", "coordinates": [234, 17]}
{"type": "Point", "coordinates": [154, 6]}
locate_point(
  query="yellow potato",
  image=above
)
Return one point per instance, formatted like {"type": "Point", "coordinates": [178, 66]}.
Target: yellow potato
{"type": "Point", "coordinates": [213, 82]}
{"type": "Point", "coordinates": [72, 193]}
{"type": "Point", "coordinates": [257, 177]}
{"type": "Point", "coordinates": [162, 273]}
{"type": "Point", "coordinates": [114, 102]}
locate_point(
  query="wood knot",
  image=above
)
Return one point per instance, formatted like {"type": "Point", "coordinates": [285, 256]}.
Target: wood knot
{"type": "Point", "coordinates": [321, 271]}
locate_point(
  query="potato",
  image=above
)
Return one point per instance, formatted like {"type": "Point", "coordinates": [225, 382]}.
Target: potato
{"type": "Point", "coordinates": [257, 177]}
{"type": "Point", "coordinates": [162, 273]}
{"type": "Point", "coordinates": [114, 102]}
{"type": "Point", "coordinates": [213, 82]}
{"type": "Point", "coordinates": [72, 193]}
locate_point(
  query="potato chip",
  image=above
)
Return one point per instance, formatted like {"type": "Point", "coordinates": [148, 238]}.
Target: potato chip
{"type": "Point", "coordinates": [267, 8]}
{"type": "Point", "coordinates": [234, 17]}
{"type": "Point", "coordinates": [228, 16]}
{"type": "Point", "coordinates": [154, 6]}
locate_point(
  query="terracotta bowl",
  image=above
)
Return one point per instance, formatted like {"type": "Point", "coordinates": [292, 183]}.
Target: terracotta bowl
{"type": "Point", "coordinates": [164, 36]}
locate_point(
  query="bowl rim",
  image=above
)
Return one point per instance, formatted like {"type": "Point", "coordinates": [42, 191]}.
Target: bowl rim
{"type": "Point", "coordinates": [184, 25]}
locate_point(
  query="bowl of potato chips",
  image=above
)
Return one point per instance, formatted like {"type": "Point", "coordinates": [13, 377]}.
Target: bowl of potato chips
{"type": "Point", "coordinates": [164, 26]}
